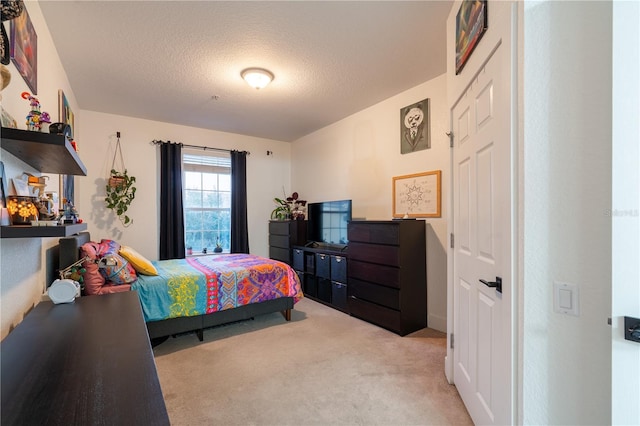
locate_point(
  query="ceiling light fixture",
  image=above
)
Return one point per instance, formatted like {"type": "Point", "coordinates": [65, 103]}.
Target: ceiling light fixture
{"type": "Point", "coordinates": [257, 77]}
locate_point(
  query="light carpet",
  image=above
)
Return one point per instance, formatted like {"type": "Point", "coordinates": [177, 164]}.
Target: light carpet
{"type": "Point", "coordinates": [322, 368]}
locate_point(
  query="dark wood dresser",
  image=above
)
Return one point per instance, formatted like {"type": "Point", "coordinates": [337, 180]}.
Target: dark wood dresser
{"type": "Point", "coordinates": [283, 235]}
{"type": "Point", "coordinates": [387, 282]}
{"type": "Point", "coordinates": [84, 363]}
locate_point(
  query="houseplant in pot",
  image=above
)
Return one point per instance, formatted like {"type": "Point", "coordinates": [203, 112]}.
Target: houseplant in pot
{"type": "Point", "coordinates": [289, 208]}
{"type": "Point", "coordinates": [120, 194]}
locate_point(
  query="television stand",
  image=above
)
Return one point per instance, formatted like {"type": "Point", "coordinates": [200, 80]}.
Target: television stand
{"type": "Point", "coordinates": [322, 269]}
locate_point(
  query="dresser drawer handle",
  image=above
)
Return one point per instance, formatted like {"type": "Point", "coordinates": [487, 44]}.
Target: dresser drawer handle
{"type": "Point", "coordinates": [322, 256]}
{"type": "Point", "coordinates": [338, 259]}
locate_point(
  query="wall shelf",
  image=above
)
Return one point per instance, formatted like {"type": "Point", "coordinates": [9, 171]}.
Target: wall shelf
{"type": "Point", "coordinates": [45, 152]}
{"type": "Point", "coordinates": [28, 231]}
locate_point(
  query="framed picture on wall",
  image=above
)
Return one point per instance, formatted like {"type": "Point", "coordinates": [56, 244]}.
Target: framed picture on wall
{"type": "Point", "coordinates": [24, 49]}
{"type": "Point", "coordinates": [65, 114]}
{"type": "Point", "coordinates": [471, 24]}
{"type": "Point", "coordinates": [415, 132]}
{"type": "Point", "coordinates": [417, 195]}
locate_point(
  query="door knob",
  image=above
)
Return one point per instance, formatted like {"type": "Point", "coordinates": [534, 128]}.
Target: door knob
{"type": "Point", "coordinates": [497, 284]}
{"type": "Point", "coordinates": [632, 329]}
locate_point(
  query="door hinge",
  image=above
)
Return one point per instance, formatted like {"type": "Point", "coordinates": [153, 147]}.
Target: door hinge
{"type": "Point", "coordinates": [450, 134]}
{"type": "Point", "coordinates": [451, 341]}
{"type": "Point", "coordinates": [452, 240]}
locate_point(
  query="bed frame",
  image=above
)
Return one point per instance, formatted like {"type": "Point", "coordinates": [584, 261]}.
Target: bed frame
{"type": "Point", "coordinates": [70, 253]}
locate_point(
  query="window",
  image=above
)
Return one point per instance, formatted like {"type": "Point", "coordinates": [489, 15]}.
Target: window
{"type": "Point", "coordinates": [207, 200]}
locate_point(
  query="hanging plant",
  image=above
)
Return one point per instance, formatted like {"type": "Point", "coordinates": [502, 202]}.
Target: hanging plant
{"type": "Point", "coordinates": [120, 189]}
{"type": "Point", "coordinates": [120, 194]}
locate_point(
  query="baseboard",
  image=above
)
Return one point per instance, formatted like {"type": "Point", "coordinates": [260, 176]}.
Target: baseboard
{"type": "Point", "coordinates": [437, 322]}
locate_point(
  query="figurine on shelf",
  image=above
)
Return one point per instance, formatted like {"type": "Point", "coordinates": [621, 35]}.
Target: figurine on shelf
{"type": "Point", "coordinates": [36, 119]}
{"type": "Point", "coordinates": [70, 213]}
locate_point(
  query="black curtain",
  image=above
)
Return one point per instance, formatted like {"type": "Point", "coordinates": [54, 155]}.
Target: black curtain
{"type": "Point", "coordinates": [171, 214]}
{"type": "Point", "coordinates": [239, 226]}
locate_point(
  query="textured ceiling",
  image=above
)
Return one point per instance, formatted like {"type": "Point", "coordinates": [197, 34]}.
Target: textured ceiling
{"type": "Point", "coordinates": [166, 61]}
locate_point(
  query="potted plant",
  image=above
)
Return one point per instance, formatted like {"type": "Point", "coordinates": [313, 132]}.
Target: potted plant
{"type": "Point", "coordinates": [289, 208]}
{"type": "Point", "coordinates": [120, 194]}
{"type": "Point", "coordinates": [218, 247]}
{"type": "Point", "coordinates": [189, 251]}
{"type": "Point", "coordinates": [282, 210]}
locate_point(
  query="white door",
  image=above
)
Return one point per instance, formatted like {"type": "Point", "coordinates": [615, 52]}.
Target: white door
{"type": "Point", "coordinates": [482, 243]}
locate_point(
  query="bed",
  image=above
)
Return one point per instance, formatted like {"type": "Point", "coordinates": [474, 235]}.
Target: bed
{"type": "Point", "coordinates": [189, 295]}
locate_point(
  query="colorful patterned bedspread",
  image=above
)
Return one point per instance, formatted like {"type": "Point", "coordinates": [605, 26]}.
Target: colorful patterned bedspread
{"type": "Point", "coordinates": [205, 284]}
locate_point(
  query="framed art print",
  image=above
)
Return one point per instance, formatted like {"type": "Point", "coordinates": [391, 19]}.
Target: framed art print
{"type": "Point", "coordinates": [471, 24]}
{"type": "Point", "coordinates": [415, 133]}
{"type": "Point", "coordinates": [24, 49]}
{"type": "Point", "coordinates": [417, 195]}
{"type": "Point", "coordinates": [65, 114]}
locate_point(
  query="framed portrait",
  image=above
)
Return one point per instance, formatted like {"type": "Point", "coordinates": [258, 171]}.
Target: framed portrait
{"type": "Point", "coordinates": [471, 24]}
{"type": "Point", "coordinates": [415, 127]}
{"type": "Point", "coordinates": [417, 195]}
{"type": "Point", "coordinates": [24, 49]}
{"type": "Point", "coordinates": [65, 114]}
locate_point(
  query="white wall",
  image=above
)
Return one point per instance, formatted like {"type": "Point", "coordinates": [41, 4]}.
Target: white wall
{"type": "Point", "coordinates": [22, 261]}
{"type": "Point", "coordinates": [567, 232]}
{"type": "Point", "coordinates": [357, 157]}
{"type": "Point", "coordinates": [266, 175]}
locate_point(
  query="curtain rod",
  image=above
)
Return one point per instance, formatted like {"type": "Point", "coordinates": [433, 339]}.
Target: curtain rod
{"type": "Point", "coordinates": [157, 142]}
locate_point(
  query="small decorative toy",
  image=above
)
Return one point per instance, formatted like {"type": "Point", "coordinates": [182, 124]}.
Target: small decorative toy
{"type": "Point", "coordinates": [75, 271]}
{"type": "Point", "coordinates": [36, 118]}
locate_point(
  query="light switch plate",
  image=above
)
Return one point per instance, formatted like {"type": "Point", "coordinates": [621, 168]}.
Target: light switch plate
{"type": "Point", "coordinates": [566, 298]}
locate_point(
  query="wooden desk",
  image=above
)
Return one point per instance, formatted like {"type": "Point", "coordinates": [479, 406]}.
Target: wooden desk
{"type": "Point", "coordinates": [85, 363]}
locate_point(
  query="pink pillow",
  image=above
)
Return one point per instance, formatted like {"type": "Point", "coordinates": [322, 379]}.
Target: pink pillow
{"type": "Point", "coordinates": [93, 279]}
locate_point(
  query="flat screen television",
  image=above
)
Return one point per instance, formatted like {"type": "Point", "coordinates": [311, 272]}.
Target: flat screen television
{"type": "Point", "coordinates": [327, 222]}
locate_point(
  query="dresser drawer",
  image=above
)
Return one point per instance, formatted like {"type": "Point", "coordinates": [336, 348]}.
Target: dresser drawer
{"type": "Point", "coordinates": [376, 233]}
{"type": "Point", "coordinates": [381, 274]}
{"type": "Point", "coordinates": [385, 255]}
{"type": "Point", "coordinates": [279, 240]}
{"type": "Point", "coordinates": [277, 253]}
{"type": "Point", "coordinates": [376, 314]}
{"type": "Point", "coordinates": [279, 227]}
{"type": "Point", "coordinates": [379, 294]}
